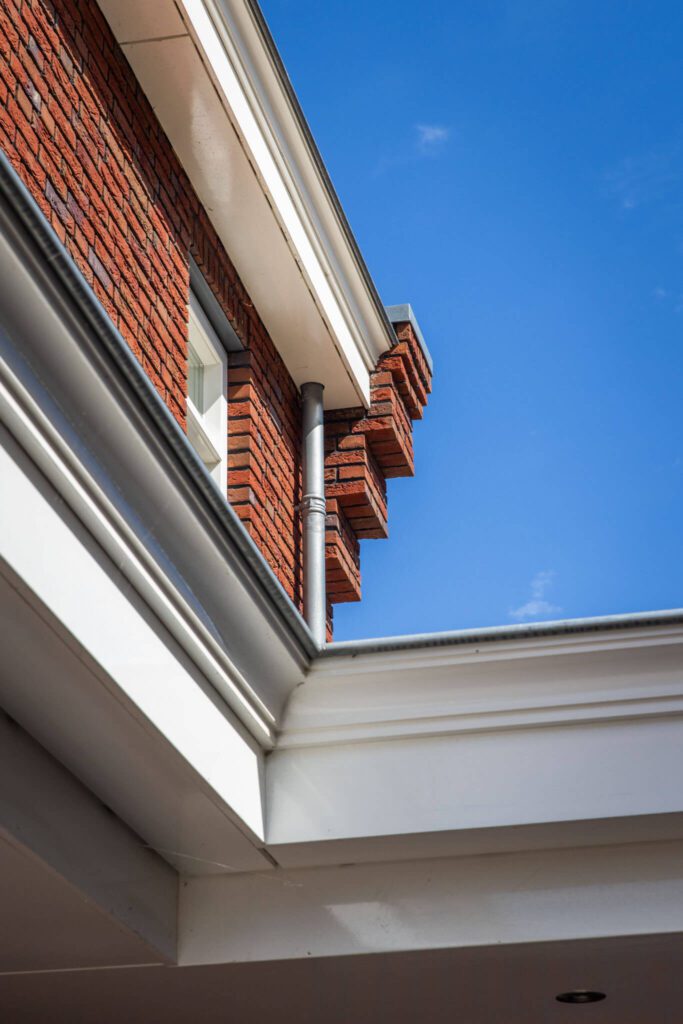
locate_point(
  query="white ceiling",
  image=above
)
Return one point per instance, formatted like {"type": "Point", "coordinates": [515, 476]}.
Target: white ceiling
{"type": "Point", "coordinates": [489, 985]}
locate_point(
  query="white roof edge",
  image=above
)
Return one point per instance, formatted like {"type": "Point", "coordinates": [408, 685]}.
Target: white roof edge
{"type": "Point", "coordinates": [308, 170]}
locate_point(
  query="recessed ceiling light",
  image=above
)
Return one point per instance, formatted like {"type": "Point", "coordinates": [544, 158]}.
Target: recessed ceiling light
{"type": "Point", "coordinates": [580, 995]}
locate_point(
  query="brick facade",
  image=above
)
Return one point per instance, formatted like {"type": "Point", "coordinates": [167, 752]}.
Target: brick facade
{"type": "Point", "coordinates": [81, 134]}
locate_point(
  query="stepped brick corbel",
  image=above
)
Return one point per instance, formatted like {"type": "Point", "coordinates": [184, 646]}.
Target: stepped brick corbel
{"type": "Point", "coordinates": [363, 448]}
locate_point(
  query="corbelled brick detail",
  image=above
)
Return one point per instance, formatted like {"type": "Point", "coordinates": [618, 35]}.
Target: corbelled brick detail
{"type": "Point", "coordinates": [80, 132]}
{"type": "Point", "coordinates": [354, 480]}
{"type": "Point", "coordinates": [362, 449]}
{"type": "Point", "coordinates": [342, 556]}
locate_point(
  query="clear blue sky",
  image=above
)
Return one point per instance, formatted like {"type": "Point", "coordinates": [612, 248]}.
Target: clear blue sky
{"type": "Point", "coordinates": [514, 169]}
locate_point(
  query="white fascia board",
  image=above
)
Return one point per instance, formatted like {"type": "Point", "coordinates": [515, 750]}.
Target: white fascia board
{"type": "Point", "coordinates": [253, 106]}
{"type": "Point", "coordinates": [304, 171]}
{"type": "Point", "coordinates": [544, 896]}
{"type": "Point", "coordinates": [175, 765]}
{"type": "Point", "coordinates": [408, 748]}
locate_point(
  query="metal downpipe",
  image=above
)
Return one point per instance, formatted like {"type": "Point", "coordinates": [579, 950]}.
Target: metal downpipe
{"type": "Point", "coordinates": [313, 510]}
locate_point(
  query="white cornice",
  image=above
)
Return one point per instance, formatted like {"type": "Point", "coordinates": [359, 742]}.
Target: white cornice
{"type": "Point", "coordinates": [445, 723]}
{"type": "Point", "coordinates": [464, 745]}
{"type": "Point", "coordinates": [513, 684]}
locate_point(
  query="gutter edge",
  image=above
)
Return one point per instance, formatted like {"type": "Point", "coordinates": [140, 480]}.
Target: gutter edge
{"type": "Point", "coordinates": [493, 634]}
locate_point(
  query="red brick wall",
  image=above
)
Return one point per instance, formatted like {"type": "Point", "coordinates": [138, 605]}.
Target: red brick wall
{"type": "Point", "coordinates": [78, 129]}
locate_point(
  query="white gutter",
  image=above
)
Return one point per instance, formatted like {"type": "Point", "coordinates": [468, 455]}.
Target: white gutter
{"type": "Point", "coordinates": [491, 634]}
{"type": "Point", "coordinates": [80, 492]}
{"type": "Point", "coordinates": [61, 406]}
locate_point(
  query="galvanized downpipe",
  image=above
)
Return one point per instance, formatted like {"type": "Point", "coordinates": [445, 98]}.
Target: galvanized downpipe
{"type": "Point", "coordinates": [313, 510]}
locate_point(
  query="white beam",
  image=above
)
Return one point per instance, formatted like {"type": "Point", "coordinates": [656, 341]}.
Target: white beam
{"type": "Point", "coordinates": [48, 814]}
{"type": "Point", "coordinates": [543, 896]}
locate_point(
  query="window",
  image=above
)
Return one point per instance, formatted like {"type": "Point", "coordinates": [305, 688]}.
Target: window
{"type": "Point", "coordinates": [207, 402]}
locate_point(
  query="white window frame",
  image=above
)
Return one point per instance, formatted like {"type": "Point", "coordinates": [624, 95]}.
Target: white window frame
{"type": "Point", "coordinates": [207, 428]}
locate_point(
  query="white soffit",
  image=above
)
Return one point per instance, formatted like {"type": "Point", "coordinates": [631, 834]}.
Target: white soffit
{"type": "Point", "coordinates": [222, 103]}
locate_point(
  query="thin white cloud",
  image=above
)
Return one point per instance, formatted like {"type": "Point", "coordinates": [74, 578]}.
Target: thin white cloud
{"type": "Point", "coordinates": [646, 179]}
{"type": "Point", "coordinates": [431, 137]}
{"type": "Point", "coordinates": [537, 607]}
{"type": "Point", "coordinates": [428, 141]}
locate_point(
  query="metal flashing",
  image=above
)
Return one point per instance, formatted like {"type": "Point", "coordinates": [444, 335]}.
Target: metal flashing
{"type": "Point", "coordinates": [491, 634]}
{"type": "Point", "coordinates": [214, 314]}
{"type": "Point", "coordinates": [404, 313]}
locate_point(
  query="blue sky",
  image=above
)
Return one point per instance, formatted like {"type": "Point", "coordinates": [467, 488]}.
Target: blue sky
{"type": "Point", "coordinates": [514, 169]}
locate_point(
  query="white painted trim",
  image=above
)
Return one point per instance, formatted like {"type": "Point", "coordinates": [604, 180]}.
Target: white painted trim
{"type": "Point", "coordinates": [305, 167]}
{"type": "Point", "coordinates": [459, 724]}
{"type": "Point", "coordinates": [469, 743]}
{"type": "Point", "coordinates": [241, 135]}
{"type": "Point", "coordinates": [208, 430]}
{"type": "Point", "coordinates": [437, 691]}
{"type": "Point", "coordinates": [543, 896]}
{"type": "Point", "coordinates": [134, 664]}
{"type": "Point", "coordinates": [244, 75]}
{"type": "Point", "coordinates": [76, 485]}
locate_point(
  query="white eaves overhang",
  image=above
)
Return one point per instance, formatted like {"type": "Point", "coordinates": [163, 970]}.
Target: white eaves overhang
{"type": "Point", "coordinates": [148, 647]}
{"type": "Point", "coordinates": [213, 76]}
{"type": "Point", "coordinates": [541, 735]}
